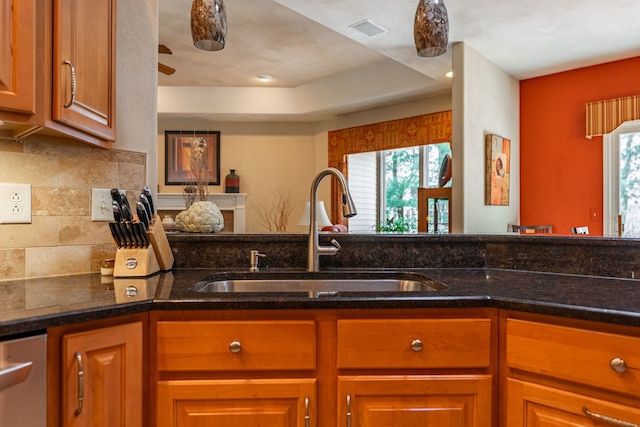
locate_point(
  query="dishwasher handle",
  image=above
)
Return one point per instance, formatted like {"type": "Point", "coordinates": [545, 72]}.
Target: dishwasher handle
{"type": "Point", "coordinates": [14, 374]}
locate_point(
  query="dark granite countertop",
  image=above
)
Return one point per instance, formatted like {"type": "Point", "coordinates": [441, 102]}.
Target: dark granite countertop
{"type": "Point", "coordinates": [36, 304]}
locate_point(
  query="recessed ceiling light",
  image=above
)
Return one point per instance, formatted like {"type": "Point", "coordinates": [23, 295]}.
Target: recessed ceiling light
{"type": "Point", "coordinates": [264, 77]}
{"type": "Point", "coordinates": [369, 28]}
{"type": "Point", "coordinates": [1, 123]}
{"type": "Point", "coordinates": [449, 74]}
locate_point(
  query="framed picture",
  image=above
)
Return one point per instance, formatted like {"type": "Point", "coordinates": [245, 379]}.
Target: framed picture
{"type": "Point", "coordinates": [179, 150]}
{"type": "Point", "coordinates": [498, 170]}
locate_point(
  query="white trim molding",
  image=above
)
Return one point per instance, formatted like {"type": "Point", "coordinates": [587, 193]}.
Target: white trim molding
{"type": "Point", "coordinates": [225, 201]}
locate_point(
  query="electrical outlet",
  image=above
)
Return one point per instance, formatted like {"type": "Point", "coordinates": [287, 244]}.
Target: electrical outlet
{"type": "Point", "coordinates": [15, 203]}
{"type": "Point", "coordinates": [101, 207]}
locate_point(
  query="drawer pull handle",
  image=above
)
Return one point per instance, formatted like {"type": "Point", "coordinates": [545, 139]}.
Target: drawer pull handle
{"type": "Point", "coordinates": [307, 418]}
{"type": "Point", "coordinates": [73, 84]}
{"type": "Point", "coordinates": [235, 347]}
{"type": "Point", "coordinates": [348, 410]}
{"type": "Point", "coordinates": [78, 410]}
{"type": "Point", "coordinates": [416, 345]}
{"type": "Point", "coordinates": [609, 420]}
{"type": "Point", "coordinates": [618, 365]}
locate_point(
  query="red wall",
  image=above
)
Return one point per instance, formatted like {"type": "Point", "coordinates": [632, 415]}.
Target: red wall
{"type": "Point", "coordinates": [561, 170]}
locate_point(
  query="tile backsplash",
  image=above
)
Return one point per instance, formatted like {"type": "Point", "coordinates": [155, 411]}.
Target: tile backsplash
{"type": "Point", "coordinates": [62, 239]}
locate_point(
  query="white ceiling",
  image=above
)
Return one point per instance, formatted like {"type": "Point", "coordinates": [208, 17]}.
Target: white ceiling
{"type": "Point", "coordinates": [304, 42]}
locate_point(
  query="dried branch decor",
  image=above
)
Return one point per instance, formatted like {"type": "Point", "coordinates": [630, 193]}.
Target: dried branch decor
{"type": "Point", "coordinates": [199, 167]}
{"type": "Point", "coordinates": [276, 217]}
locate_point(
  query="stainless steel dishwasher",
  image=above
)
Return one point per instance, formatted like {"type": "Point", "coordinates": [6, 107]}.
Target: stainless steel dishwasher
{"type": "Point", "coordinates": [23, 389]}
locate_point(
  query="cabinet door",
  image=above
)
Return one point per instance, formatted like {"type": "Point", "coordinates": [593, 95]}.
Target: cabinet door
{"type": "Point", "coordinates": [102, 377]}
{"type": "Point", "coordinates": [534, 405]}
{"type": "Point", "coordinates": [17, 55]}
{"type": "Point", "coordinates": [412, 401]}
{"type": "Point", "coordinates": [237, 403]}
{"type": "Point", "coordinates": [84, 54]}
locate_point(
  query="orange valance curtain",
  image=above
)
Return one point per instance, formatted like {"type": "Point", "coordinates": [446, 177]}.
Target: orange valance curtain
{"type": "Point", "coordinates": [605, 116]}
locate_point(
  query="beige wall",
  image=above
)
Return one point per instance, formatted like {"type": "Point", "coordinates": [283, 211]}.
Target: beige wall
{"type": "Point", "coordinates": [62, 239]}
{"type": "Point", "coordinates": [486, 100]}
{"type": "Point", "coordinates": [268, 157]}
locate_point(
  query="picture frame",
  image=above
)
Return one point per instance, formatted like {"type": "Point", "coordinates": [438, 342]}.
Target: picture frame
{"type": "Point", "coordinates": [497, 170]}
{"type": "Point", "coordinates": [178, 146]}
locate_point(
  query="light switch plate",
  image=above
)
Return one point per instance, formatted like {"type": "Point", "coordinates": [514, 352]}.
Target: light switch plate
{"type": "Point", "coordinates": [15, 203]}
{"type": "Point", "coordinates": [101, 207]}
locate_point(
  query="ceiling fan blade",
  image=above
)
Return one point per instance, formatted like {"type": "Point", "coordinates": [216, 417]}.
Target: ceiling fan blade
{"type": "Point", "coordinates": [166, 69]}
{"type": "Point", "coordinates": [164, 49]}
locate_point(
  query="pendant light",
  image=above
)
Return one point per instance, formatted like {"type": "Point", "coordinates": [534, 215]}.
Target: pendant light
{"type": "Point", "coordinates": [431, 28]}
{"type": "Point", "coordinates": [208, 24]}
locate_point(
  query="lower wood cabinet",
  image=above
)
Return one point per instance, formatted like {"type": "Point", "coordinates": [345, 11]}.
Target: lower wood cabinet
{"type": "Point", "coordinates": [534, 405]}
{"type": "Point", "coordinates": [101, 378]}
{"type": "Point", "coordinates": [416, 400]}
{"type": "Point", "coordinates": [237, 403]}
{"type": "Point", "coordinates": [325, 368]}
{"type": "Point", "coordinates": [562, 372]}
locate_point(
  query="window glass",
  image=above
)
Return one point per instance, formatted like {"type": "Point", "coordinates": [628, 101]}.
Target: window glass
{"type": "Point", "coordinates": [629, 202]}
{"type": "Point", "coordinates": [384, 186]}
{"type": "Point", "coordinates": [621, 150]}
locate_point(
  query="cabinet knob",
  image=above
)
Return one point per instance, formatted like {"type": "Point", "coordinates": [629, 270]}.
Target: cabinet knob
{"type": "Point", "coordinates": [235, 347]}
{"type": "Point", "coordinates": [618, 365]}
{"type": "Point", "coordinates": [416, 345]}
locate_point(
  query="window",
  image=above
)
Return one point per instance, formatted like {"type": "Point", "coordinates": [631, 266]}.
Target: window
{"type": "Point", "coordinates": [384, 185]}
{"type": "Point", "coordinates": [622, 181]}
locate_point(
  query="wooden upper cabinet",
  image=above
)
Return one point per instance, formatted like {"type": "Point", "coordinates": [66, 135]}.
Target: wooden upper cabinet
{"type": "Point", "coordinates": [18, 55]}
{"type": "Point", "coordinates": [84, 66]}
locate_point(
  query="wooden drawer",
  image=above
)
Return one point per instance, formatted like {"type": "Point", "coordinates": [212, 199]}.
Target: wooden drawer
{"type": "Point", "coordinates": [446, 343]}
{"type": "Point", "coordinates": [260, 345]}
{"type": "Point", "coordinates": [573, 354]}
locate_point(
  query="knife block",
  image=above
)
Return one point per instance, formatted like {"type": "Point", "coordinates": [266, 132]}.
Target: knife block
{"type": "Point", "coordinates": [135, 262]}
{"type": "Point", "coordinates": [158, 239]}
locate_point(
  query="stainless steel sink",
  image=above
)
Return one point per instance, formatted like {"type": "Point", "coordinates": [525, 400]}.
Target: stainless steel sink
{"type": "Point", "coordinates": [320, 284]}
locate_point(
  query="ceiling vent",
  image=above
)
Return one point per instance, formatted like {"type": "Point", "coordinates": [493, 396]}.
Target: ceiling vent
{"type": "Point", "coordinates": [369, 28]}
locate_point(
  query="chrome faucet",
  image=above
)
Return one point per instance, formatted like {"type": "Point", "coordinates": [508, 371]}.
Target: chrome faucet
{"type": "Point", "coordinates": [348, 210]}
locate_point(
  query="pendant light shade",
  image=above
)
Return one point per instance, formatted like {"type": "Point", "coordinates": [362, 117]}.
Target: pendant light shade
{"type": "Point", "coordinates": [208, 24]}
{"type": "Point", "coordinates": [431, 28]}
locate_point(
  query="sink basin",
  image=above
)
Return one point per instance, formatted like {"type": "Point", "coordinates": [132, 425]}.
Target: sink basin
{"type": "Point", "coordinates": [319, 284]}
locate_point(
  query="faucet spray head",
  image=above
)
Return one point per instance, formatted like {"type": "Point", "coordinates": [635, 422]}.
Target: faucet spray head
{"type": "Point", "coordinates": [348, 207]}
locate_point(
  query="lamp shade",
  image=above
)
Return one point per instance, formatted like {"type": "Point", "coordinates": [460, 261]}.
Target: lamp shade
{"type": "Point", "coordinates": [208, 24]}
{"type": "Point", "coordinates": [321, 215]}
{"type": "Point", "coordinates": [431, 28]}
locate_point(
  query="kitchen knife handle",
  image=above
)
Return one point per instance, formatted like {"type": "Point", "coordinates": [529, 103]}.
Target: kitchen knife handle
{"type": "Point", "coordinates": [128, 242]}
{"type": "Point", "coordinates": [126, 213]}
{"type": "Point", "coordinates": [124, 201]}
{"type": "Point", "coordinates": [142, 213]}
{"type": "Point", "coordinates": [145, 203]}
{"type": "Point", "coordinates": [142, 231]}
{"type": "Point", "coordinates": [117, 213]}
{"type": "Point", "coordinates": [114, 233]}
{"type": "Point", "coordinates": [133, 232]}
{"type": "Point", "coordinates": [147, 192]}
{"type": "Point", "coordinates": [115, 195]}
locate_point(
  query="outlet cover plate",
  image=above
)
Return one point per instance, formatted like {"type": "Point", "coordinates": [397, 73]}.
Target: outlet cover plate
{"type": "Point", "coordinates": [101, 207]}
{"type": "Point", "coordinates": [15, 203]}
